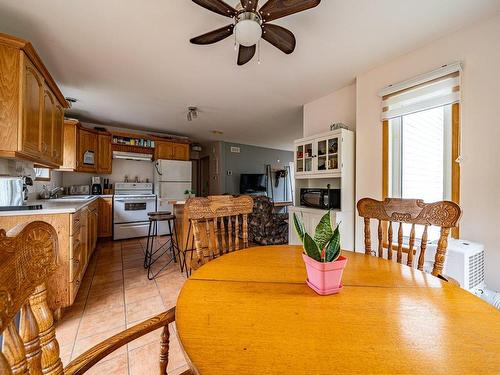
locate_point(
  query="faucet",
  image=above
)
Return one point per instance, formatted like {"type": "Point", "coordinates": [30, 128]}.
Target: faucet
{"type": "Point", "coordinates": [54, 192]}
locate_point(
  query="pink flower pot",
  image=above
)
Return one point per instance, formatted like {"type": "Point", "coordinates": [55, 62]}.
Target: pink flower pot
{"type": "Point", "coordinates": [324, 278]}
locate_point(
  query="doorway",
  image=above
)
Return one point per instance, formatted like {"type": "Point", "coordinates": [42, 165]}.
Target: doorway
{"type": "Point", "coordinates": [205, 176]}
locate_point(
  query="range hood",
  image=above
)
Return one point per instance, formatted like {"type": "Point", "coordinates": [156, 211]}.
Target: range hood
{"type": "Point", "coordinates": [132, 156]}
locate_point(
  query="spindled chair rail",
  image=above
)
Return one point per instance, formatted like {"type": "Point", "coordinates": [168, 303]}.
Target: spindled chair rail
{"type": "Point", "coordinates": [218, 217]}
{"type": "Point", "coordinates": [28, 256]}
{"type": "Point", "coordinates": [443, 214]}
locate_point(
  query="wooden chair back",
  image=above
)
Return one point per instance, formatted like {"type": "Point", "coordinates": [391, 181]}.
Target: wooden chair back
{"type": "Point", "coordinates": [28, 256]}
{"type": "Point", "coordinates": [444, 214]}
{"type": "Point", "coordinates": [216, 225]}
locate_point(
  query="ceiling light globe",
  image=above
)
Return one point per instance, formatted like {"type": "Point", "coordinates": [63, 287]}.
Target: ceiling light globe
{"type": "Point", "coordinates": [248, 32]}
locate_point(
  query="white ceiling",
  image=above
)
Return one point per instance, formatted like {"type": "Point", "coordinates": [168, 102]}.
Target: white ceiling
{"type": "Point", "coordinates": [130, 62]}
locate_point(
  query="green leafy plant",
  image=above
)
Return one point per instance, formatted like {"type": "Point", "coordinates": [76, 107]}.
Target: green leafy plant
{"type": "Point", "coordinates": [325, 245]}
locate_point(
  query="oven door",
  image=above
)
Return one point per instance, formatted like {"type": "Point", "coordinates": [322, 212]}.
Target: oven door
{"type": "Point", "coordinates": [133, 209]}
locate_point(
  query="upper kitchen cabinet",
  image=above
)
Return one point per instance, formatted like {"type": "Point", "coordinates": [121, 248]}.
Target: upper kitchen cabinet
{"type": "Point", "coordinates": [87, 150]}
{"type": "Point", "coordinates": [324, 155]}
{"type": "Point", "coordinates": [171, 150]}
{"type": "Point", "coordinates": [31, 106]}
{"type": "Point", "coordinates": [70, 134]}
{"type": "Point", "coordinates": [105, 154]}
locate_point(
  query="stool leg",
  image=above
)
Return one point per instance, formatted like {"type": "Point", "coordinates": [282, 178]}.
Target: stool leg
{"type": "Point", "coordinates": [146, 256]}
{"type": "Point", "coordinates": [172, 243]}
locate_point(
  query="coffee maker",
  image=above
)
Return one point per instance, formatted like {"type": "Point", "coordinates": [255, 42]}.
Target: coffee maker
{"type": "Point", "coordinates": [96, 186]}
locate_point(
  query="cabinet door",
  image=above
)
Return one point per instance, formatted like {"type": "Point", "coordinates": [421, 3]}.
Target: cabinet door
{"type": "Point", "coordinates": [87, 151]}
{"type": "Point", "coordinates": [70, 149]}
{"type": "Point", "coordinates": [104, 154]}
{"type": "Point", "coordinates": [164, 150]}
{"type": "Point", "coordinates": [105, 217]}
{"type": "Point", "coordinates": [304, 158]}
{"type": "Point", "coordinates": [58, 135]}
{"type": "Point", "coordinates": [181, 151]}
{"type": "Point", "coordinates": [47, 124]}
{"type": "Point", "coordinates": [32, 109]}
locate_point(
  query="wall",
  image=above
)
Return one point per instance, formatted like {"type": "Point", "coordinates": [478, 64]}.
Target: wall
{"type": "Point", "coordinates": [253, 159]}
{"type": "Point", "coordinates": [477, 48]}
{"type": "Point", "coordinates": [10, 167]}
{"type": "Point", "coordinates": [339, 106]}
{"type": "Point", "coordinates": [121, 168]}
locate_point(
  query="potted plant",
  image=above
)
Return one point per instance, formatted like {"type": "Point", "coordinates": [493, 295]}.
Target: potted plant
{"type": "Point", "coordinates": [322, 258]}
{"type": "Point", "coordinates": [189, 193]}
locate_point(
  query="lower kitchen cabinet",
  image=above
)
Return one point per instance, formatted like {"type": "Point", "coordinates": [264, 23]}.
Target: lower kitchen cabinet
{"type": "Point", "coordinates": [105, 218]}
{"type": "Point", "coordinates": [77, 239]}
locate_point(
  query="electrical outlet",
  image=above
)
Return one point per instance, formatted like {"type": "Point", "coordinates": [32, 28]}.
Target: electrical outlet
{"type": "Point", "coordinates": [229, 173]}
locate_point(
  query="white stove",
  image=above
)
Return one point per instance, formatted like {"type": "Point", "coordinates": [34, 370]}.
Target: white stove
{"type": "Point", "coordinates": [131, 204]}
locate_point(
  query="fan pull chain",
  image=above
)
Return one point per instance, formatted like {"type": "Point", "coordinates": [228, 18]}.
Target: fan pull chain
{"type": "Point", "coordinates": [258, 52]}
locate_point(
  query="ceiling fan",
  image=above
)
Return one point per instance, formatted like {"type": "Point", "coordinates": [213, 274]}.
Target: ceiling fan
{"type": "Point", "coordinates": [250, 24]}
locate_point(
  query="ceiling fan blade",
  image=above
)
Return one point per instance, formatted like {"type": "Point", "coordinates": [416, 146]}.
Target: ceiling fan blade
{"type": "Point", "coordinates": [214, 36]}
{"type": "Point", "coordinates": [245, 54]}
{"type": "Point", "coordinates": [217, 6]}
{"type": "Point", "coordinates": [275, 9]}
{"type": "Point", "coordinates": [250, 5]}
{"type": "Point", "coordinates": [279, 37]}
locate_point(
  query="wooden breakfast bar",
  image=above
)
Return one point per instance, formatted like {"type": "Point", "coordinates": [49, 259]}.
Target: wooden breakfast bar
{"type": "Point", "coordinates": [251, 312]}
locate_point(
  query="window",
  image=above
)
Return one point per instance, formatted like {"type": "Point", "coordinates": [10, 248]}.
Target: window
{"type": "Point", "coordinates": [41, 173]}
{"type": "Point", "coordinates": [420, 155]}
{"type": "Point", "coordinates": [421, 138]}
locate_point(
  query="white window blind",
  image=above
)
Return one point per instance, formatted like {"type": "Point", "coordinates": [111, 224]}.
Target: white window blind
{"type": "Point", "coordinates": [434, 89]}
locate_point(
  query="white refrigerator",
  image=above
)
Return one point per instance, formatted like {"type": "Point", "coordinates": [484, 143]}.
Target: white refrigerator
{"type": "Point", "coordinates": [171, 179]}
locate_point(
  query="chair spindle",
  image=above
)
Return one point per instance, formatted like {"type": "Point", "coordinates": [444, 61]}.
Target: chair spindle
{"type": "Point", "coordinates": [13, 349]}
{"type": "Point", "coordinates": [410, 246]}
{"type": "Point", "coordinates": [380, 240]}
{"type": "Point", "coordinates": [368, 240]}
{"type": "Point", "coordinates": [29, 332]}
{"type": "Point", "coordinates": [389, 241]}
{"type": "Point", "coordinates": [164, 346]}
{"type": "Point", "coordinates": [237, 232]}
{"type": "Point", "coordinates": [441, 252]}
{"type": "Point", "coordinates": [400, 243]}
{"type": "Point", "coordinates": [423, 247]}
{"type": "Point", "coordinates": [245, 230]}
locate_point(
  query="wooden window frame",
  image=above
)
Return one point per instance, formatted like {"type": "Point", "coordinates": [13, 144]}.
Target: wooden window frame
{"type": "Point", "coordinates": [43, 178]}
{"type": "Point", "coordinates": [455, 164]}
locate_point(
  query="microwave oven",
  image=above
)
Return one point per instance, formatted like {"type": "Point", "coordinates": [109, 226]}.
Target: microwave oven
{"type": "Point", "coordinates": [325, 199]}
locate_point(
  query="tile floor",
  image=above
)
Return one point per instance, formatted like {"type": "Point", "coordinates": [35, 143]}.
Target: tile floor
{"type": "Point", "coordinates": [116, 294]}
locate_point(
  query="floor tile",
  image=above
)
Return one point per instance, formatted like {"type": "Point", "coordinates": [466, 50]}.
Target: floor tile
{"type": "Point", "coordinates": [144, 309]}
{"type": "Point", "coordinates": [114, 366]}
{"type": "Point", "coordinates": [107, 277]}
{"type": "Point", "coordinates": [103, 289]}
{"type": "Point", "coordinates": [84, 344]}
{"type": "Point", "coordinates": [104, 302]}
{"type": "Point", "coordinates": [141, 293]}
{"type": "Point", "coordinates": [93, 324]}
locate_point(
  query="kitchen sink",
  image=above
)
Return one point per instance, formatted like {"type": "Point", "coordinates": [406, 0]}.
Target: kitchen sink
{"type": "Point", "coordinates": [69, 198]}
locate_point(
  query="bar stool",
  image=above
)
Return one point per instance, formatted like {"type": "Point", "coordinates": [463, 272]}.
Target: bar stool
{"type": "Point", "coordinates": [169, 245]}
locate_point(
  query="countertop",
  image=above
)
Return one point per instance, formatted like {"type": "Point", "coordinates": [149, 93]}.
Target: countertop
{"type": "Point", "coordinates": [51, 206]}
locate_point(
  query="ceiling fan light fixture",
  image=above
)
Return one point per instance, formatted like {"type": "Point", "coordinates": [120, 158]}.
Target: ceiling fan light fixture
{"type": "Point", "coordinates": [248, 30]}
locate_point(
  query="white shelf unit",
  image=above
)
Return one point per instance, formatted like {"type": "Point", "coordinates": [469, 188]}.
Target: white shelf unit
{"type": "Point", "coordinates": [321, 160]}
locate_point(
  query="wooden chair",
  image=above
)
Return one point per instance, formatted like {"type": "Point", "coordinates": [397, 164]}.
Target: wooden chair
{"type": "Point", "coordinates": [443, 214]}
{"type": "Point", "coordinates": [27, 258]}
{"type": "Point", "coordinates": [216, 225]}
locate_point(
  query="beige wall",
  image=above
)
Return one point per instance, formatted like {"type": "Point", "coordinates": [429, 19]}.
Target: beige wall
{"type": "Point", "coordinates": [478, 48]}
{"type": "Point", "coordinates": [339, 106]}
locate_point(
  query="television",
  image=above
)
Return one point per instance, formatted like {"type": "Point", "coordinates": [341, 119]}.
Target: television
{"type": "Point", "coordinates": [253, 183]}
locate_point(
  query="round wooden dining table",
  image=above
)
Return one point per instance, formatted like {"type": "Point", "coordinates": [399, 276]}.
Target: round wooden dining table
{"type": "Point", "coordinates": [251, 312]}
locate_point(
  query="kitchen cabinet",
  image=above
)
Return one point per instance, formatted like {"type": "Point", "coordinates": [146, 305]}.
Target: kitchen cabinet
{"type": "Point", "coordinates": [322, 156]}
{"type": "Point", "coordinates": [104, 154]}
{"type": "Point", "coordinates": [58, 135]}
{"type": "Point", "coordinates": [105, 218]}
{"type": "Point", "coordinates": [47, 125]}
{"type": "Point", "coordinates": [171, 150]}
{"type": "Point", "coordinates": [31, 105]}
{"type": "Point", "coordinates": [69, 152]}
{"type": "Point", "coordinates": [87, 149]}
{"type": "Point", "coordinates": [180, 151]}
{"type": "Point", "coordinates": [33, 92]}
